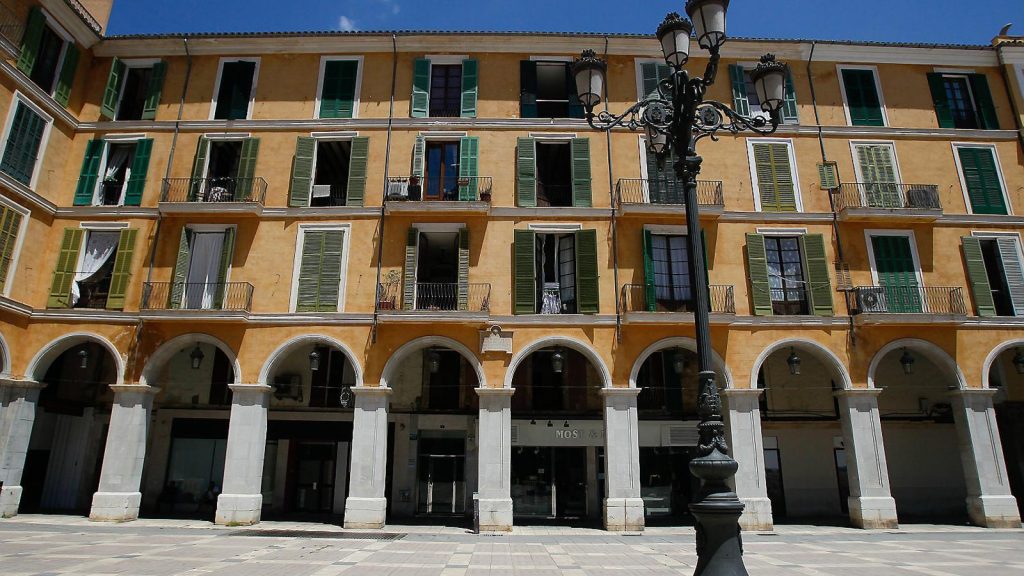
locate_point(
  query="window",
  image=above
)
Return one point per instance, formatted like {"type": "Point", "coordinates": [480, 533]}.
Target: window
{"type": "Point", "coordinates": [10, 233]}
{"type": "Point", "coordinates": [786, 275]}
{"type": "Point", "coordinates": [963, 101]}
{"type": "Point", "coordinates": [444, 87]}
{"type": "Point", "coordinates": [113, 173]}
{"type": "Point", "coordinates": [877, 175]}
{"type": "Point", "coordinates": [133, 90]}
{"type": "Point", "coordinates": [48, 57]}
{"type": "Point", "coordinates": [236, 88]}
{"type": "Point", "coordinates": [93, 268]}
{"type": "Point", "coordinates": [556, 273]}
{"type": "Point", "coordinates": [547, 90]}
{"type": "Point", "coordinates": [662, 186]}
{"type": "Point", "coordinates": [442, 170]}
{"type": "Point", "coordinates": [329, 172]}
{"type": "Point", "coordinates": [789, 274]}
{"type": "Point", "coordinates": [201, 270]}
{"type": "Point", "coordinates": [668, 285]}
{"type": "Point", "coordinates": [224, 170]}
{"type": "Point", "coordinates": [981, 179]}
{"type": "Point", "coordinates": [746, 102]}
{"type": "Point", "coordinates": [862, 96]}
{"type": "Point", "coordinates": [553, 173]}
{"type": "Point", "coordinates": [996, 274]}
{"type": "Point", "coordinates": [774, 176]}
{"type": "Point", "coordinates": [436, 275]}
{"type": "Point", "coordinates": [339, 88]}
{"type": "Point", "coordinates": [27, 130]}
{"type": "Point", "coordinates": [895, 267]}
{"type": "Point", "coordinates": [319, 270]}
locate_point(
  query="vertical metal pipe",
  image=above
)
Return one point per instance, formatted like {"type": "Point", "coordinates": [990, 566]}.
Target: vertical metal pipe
{"type": "Point", "coordinates": [384, 195]}
{"type": "Point", "coordinates": [614, 229]}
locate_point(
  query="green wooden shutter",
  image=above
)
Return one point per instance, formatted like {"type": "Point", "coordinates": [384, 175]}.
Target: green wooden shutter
{"type": "Point", "coordinates": [67, 75]}
{"type": "Point", "coordinates": [650, 292]}
{"type": "Point", "coordinates": [790, 112]}
{"type": "Point", "coordinates": [87, 178]}
{"type": "Point", "coordinates": [816, 264]}
{"type": "Point", "coordinates": [358, 156]}
{"type": "Point", "coordinates": [582, 188]}
{"type": "Point", "coordinates": [470, 87]}
{"type": "Point", "coordinates": [420, 104]}
{"type": "Point", "coordinates": [181, 265]}
{"type": "Point", "coordinates": [526, 173]}
{"type": "Point", "coordinates": [463, 269]}
{"type": "Point", "coordinates": [878, 171]}
{"type": "Point", "coordinates": [67, 265]}
{"type": "Point", "coordinates": [776, 186]}
{"type": "Point", "coordinates": [986, 109]}
{"type": "Point", "coordinates": [227, 253]}
{"type": "Point", "coordinates": [524, 272]}
{"type": "Point", "coordinates": [740, 103]}
{"type": "Point", "coordinates": [1013, 271]}
{"type": "Point", "coordinates": [302, 172]}
{"type": "Point", "coordinates": [330, 272]}
{"type": "Point", "coordinates": [412, 241]}
{"type": "Point", "coordinates": [981, 175]}
{"type": "Point", "coordinates": [199, 169]}
{"type": "Point", "coordinates": [757, 267]}
{"type": "Point", "coordinates": [469, 150]}
{"type": "Point", "coordinates": [588, 289]}
{"type": "Point", "coordinates": [247, 169]}
{"type": "Point", "coordinates": [310, 267]}
{"type": "Point", "coordinates": [122, 269]}
{"type": "Point", "coordinates": [894, 262]}
{"type": "Point", "coordinates": [154, 91]}
{"type": "Point", "coordinates": [112, 93]}
{"type": "Point", "coordinates": [977, 275]}
{"type": "Point", "coordinates": [652, 74]}
{"type": "Point", "coordinates": [31, 40]}
{"type": "Point", "coordinates": [527, 89]}
{"type": "Point", "coordinates": [419, 151]}
{"type": "Point", "coordinates": [937, 85]}
{"type": "Point", "coordinates": [140, 169]}
{"type": "Point", "coordinates": [10, 226]}
{"type": "Point", "coordinates": [22, 150]}
{"type": "Point", "coordinates": [862, 98]}
{"type": "Point", "coordinates": [337, 98]}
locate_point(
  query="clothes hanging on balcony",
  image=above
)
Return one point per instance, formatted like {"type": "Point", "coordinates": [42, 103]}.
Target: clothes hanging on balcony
{"type": "Point", "coordinates": [99, 248]}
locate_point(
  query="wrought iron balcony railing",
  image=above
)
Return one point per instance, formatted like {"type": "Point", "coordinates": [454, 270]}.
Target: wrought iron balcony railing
{"type": "Point", "coordinates": [416, 189]}
{"type": "Point", "coordinates": [223, 296]}
{"type": "Point", "coordinates": [638, 298]}
{"type": "Point", "coordinates": [940, 300]}
{"type": "Point", "coordinates": [11, 27]}
{"type": "Point", "coordinates": [670, 192]}
{"type": "Point", "coordinates": [887, 196]}
{"type": "Point", "coordinates": [224, 190]}
{"type": "Point", "coordinates": [435, 297]}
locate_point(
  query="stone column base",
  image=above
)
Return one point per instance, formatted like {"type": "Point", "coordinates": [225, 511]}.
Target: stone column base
{"type": "Point", "coordinates": [365, 513]}
{"type": "Point", "coordinates": [994, 511]}
{"type": "Point", "coordinates": [624, 514]}
{"type": "Point", "coordinates": [757, 515]}
{"type": "Point", "coordinates": [10, 499]}
{"type": "Point", "coordinates": [239, 509]}
{"type": "Point", "coordinates": [495, 514]}
{"type": "Point", "coordinates": [873, 513]}
{"type": "Point", "coordinates": [115, 506]}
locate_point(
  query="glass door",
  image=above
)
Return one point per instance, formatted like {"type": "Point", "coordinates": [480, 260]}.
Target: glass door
{"type": "Point", "coordinates": [532, 474]}
{"type": "Point", "coordinates": [314, 485]}
{"type": "Point", "coordinates": [571, 482]}
{"type": "Point", "coordinates": [442, 171]}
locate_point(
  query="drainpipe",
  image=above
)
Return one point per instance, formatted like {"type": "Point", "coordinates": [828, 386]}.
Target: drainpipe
{"type": "Point", "coordinates": [384, 196]}
{"type": "Point", "coordinates": [1009, 94]}
{"type": "Point", "coordinates": [611, 195]}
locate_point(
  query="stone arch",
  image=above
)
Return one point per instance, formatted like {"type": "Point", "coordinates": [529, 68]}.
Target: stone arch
{"type": "Point", "coordinates": [5, 356]}
{"type": "Point", "coordinates": [937, 355]}
{"type": "Point", "coordinates": [427, 342]}
{"type": "Point", "coordinates": [829, 357]}
{"type": "Point", "coordinates": [168, 349]}
{"type": "Point", "coordinates": [996, 353]}
{"type": "Point", "coordinates": [578, 345]}
{"type": "Point", "coordinates": [678, 342]}
{"type": "Point", "coordinates": [47, 354]}
{"type": "Point", "coordinates": [285, 349]}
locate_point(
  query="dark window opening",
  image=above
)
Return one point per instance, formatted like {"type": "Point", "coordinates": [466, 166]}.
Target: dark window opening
{"type": "Point", "coordinates": [437, 271]}
{"type": "Point", "coordinates": [554, 174]}
{"type": "Point", "coordinates": [773, 481]}
{"type": "Point", "coordinates": [446, 387]}
{"type": "Point", "coordinates": [134, 94]}
{"type": "Point", "coordinates": [553, 86]}
{"type": "Point", "coordinates": [786, 275]}
{"type": "Point", "coordinates": [673, 289]}
{"type": "Point", "coordinates": [236, 83]}
{"type": "Point", "coordinates": [668, 383]}
{"type": "Point", "coordinates": [116, 174]}
{"type": "Point", "coordinates": [96, 269]}
{"type": "Point", "coordinates": [70, 388]}
{"type": "Point", "coordinates": [556, 381]}
{"type": "Point", "coordinates": [44, 72]}
{"type": "Point", "coordinates": [446, 90]}
{"type": "Point", "coordinates": [997, 278]}
{"type": "Point", "coordinates": [327, 382]}
{"type": "Point", "coordinates": [961, 106]}
{"type": "Point", "coordinates": [330, 181]}
{"type": "Point", "coordinates": [224, 159]}
{"type": "Point", "coordinates": [442, 171]}
{"type": "Point", "coordinates": [556, 261]}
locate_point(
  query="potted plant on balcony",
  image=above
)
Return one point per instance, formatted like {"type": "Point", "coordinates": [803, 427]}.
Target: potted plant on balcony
{"type": "Point", "coordinates": [386, 296]}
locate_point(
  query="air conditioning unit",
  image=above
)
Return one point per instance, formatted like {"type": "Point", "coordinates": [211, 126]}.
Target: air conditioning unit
{"type": "Point", "coordinates": [872, 301]}
{"type": "Point", "coordinates": [321, 191]}
{"type": "Point", "coordinates": [398, 190]}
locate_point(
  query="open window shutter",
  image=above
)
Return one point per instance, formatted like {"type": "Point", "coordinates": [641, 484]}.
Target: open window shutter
{"type": "Point", "coordinates": [524, 272]}
{"type": "Point", "coordinates": [650, 292]}
{"type": "Point", "coordinates": [984, 188]}
{"type": "Point", "coordinates": [198, 169]}
{"type": "Point", "coordinates": [360, 152]}
{"type": "Point", "coordinates": [757, 267]}
{"type": "Point", "coordinates": [582, 189]}
{"type": "Point", "coordinates": [310, 271]}
{"type": "Point", "coordinates": [941, 101]}
{"type": "Point", "coordinates": [1013, 272]}
{"type": "Point", "coordinates": [90, 173]}
{"type": "Point", "coordinates": [419, 151]}
{"type": "Point", "coordinates": [816, 264]}
{"type": "Point", "coordinates": [337, 100]}
{"type": "Point", "coordinates": [526, 173]}
{"type": "Point", "coordinates": [64, 273]}
{"type": "Point", "coordinates": [31, 39]}
{"type": "Point", "coordinates": [181, 265]}
{"type": "Point", "coordinates": [154, 91]}
{"type": "Point", "coordinates": [409, 274]}
{"type": "Point", "coordinates": [67, 75]}
{"type": "Point", "coordinates": [10, 226]}
{"type": "Point", "coordinates": [330, 272]}
{"type": "Point", "coordinates": [302, 173]}
{"type": "Point", "coordinates": [113, 90]}
{"type": "Point", "coordinates": [470, 87]}
{"type": "Point", "coordinates": [140, 169]}
{"type": "Point", "coordinates": [977, 274]}
{"type": "Point", "coordinates": [247, 169]}
{"type": "Point", "coordinates": [122, 269]}
{"type": "Point", "coordinates": [420, 88]}
{"type": "Point", "coordinates": [527, 89]}
{"type": "Point", "coordinates": [862, 98]}
{"type": "Point", "coordinates": [790, 113]}
{"type": "Point", "coordinates": [576, 109]}
{"type": "Point", "coordinates": [987, 117]}
{"type": "Point", "coordinates": [588, 290]}
{"type": "Point", "coordinates": [227, 253]}
{"type": "Point", "coordinates": [469, 149]}
{"type": "Point", "coordinates": [463, 268]}
{"type": "Point", "coordinates": [740, 103]}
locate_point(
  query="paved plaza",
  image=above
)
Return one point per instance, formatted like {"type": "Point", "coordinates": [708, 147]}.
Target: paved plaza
{"type": "Point", "coordinates": [54, 545]}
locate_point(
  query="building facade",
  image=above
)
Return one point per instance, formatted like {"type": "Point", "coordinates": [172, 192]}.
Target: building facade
{"type": "Point", "coordinates": [383, 276]}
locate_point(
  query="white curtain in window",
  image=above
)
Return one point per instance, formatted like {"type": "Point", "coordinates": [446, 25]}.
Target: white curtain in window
{"type": "Point", "coordinates": [117, 159]}
{"type": "Point", "coordinates": [99, 247]}
{"type": "Point", "coordinates": [566, 267]}
{"type": "Point", "coordinates": [204, 270]}
{"type": "Point", "coordinates": [659, 257]}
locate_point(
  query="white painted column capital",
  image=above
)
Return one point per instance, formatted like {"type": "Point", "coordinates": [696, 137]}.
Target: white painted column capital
{"type": "Point", "coordinates": [366, 505]}
{"type": "Point", "coordinates": [119, 495]}
{"type": "Point", "coordinates": [494, 461]}
{"type": "Point", "coordinates": [871, 503]}
{"type": "Point", "coordinates": [746, 442]}
{"type": "Point", "coordinates": [241, 499]}
{"type": "Point", "coordinates": [18, 399]}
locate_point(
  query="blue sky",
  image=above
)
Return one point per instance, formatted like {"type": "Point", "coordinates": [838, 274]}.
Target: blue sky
{"type": "Point", "coordinates": [941, 21]}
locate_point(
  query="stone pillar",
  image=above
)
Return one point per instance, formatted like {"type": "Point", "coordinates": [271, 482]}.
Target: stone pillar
{"type": "Point", "coordinates": [119, 496]}
{"type": "Point", "coordinates": [366, 506]}
{"type": "Point", "coordinates": [494, 459]}
{"type": "Point", "coordinates": [18, 399]}
{"type": "Point", "coordinates": [241, 498]}
{"type": "Point", "coordinates": [623, 506]}
{"type": "Point", "coordinates": [871, 503]}
{"type": "Point", "coordinates": [746, 443]}
{"type": "Point", "coordinates": [989, 501]}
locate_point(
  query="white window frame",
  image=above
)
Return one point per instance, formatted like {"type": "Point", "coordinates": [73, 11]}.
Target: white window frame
{"type": "Point", "coordinates": [431, 228]}
{"type": "Point", "coordinates": [782, 231]}
{"type": "Point", "coordinates": [325, 137]}
{"type": "Point", "coordinates": [252, 92]}
{"type": "Point", "coordinates": [300, 243]}
{"type": "Point", "coordinates": [69, 40]}
{"type": "Point", "coordinates": [129, 64]}
{"type": "Point", "coordinates": [216, 228]}
{"type": "Point", "coordinates": [555, 228]}
{"type": "Point", "coordinates": [107, 141]}
{"type": "Point", "coordinates": [794, 170]}
{"type": "Point", "coordinates": [220, 137]}
{"type": "Point", "coordinates": [19, 97]}
{"type": "Point", "coordinates": [19, 241]}
{"type": "Point", "coordinates": [891, 144]}
{"type": "Point", "coordinates": [909, 235]}
{"type": "Point", "coordinates": [878, 88]}
{"type": "Point", "coordinates": [963, 181]}
{"type": "Point", "coordinates": [320, 82]}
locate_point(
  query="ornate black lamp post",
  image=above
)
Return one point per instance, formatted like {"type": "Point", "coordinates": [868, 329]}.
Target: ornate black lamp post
{"type": "Point", "coordinates": [676, 118]}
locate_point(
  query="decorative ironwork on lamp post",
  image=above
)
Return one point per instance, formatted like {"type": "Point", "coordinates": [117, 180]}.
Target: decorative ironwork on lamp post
{"type": "Point", "coordinates": [677, 117]}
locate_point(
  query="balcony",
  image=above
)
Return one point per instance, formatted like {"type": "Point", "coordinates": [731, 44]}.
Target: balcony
{"type": "Point", "coordinates": [908, 304]}
{"type": "Point", "coordinates": [411, 194]}
{"type": "Point", "coordinates": [186, 300]}
{"type": "Point", "coordinates": [673, 304]}
{"type": "Point", "coordinates": [224, 195]}
{"type": "Point", "coordinates": [435, 301]}
{"type": "Point", "coordinates": [663, 196]}
{"type": "Point", "coordinates": [11, 30]}
{"type": "Point", "coordinates": [888, 202]}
